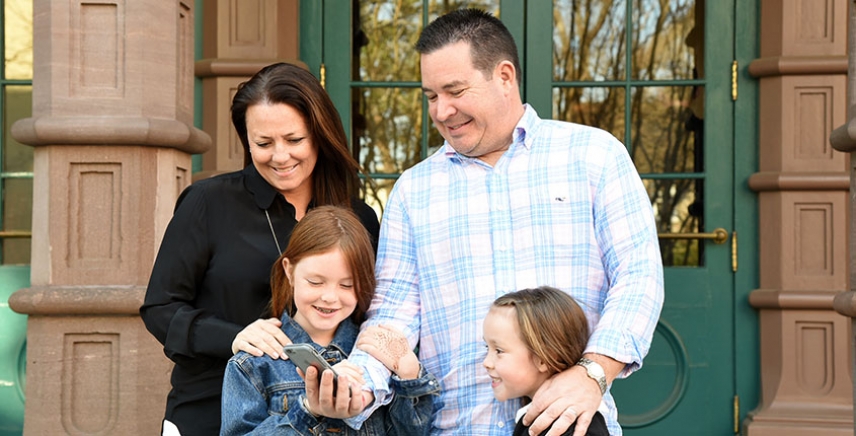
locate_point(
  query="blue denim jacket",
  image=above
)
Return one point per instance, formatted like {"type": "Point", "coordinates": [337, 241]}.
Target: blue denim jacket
{"type": "Point", "coordinates": [265, 396]}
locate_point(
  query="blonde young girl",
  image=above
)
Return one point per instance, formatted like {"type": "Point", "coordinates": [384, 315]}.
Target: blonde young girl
{"type": "Point", "coordinates": [532, 335]}
{"type": "Point", "coordinates": [321, 288]}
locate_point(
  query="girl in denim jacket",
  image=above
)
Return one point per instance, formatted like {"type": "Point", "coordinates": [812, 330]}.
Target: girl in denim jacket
{"type": "Point", "coordinates": [321, 288]}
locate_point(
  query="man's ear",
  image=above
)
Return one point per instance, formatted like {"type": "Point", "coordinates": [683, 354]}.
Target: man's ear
{"type": "Point", "coordinates": [289, 269]}
{"type": "Point", "coordinates": [506, 72]}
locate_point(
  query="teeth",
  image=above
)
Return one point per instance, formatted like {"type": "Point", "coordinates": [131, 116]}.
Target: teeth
{"type": "Point", "coordinates": [323, 310]}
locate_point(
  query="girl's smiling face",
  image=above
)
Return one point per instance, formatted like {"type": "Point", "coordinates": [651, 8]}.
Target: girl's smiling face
{"type": "Point", "coordinates": [324, 293]}
{"type": "Point", "coordinates": [514, 371]}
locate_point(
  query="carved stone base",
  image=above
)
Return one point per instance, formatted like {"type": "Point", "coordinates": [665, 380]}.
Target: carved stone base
{"type": "Point", "coordinates": [95, 373]}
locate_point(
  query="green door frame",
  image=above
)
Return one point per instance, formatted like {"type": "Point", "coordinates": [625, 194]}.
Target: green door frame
{"type": "Point", "coordinates": [746, 279]}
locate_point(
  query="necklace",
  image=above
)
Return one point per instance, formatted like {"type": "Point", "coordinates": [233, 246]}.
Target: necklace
{"type": "Point", "coordinates": [276, 241]}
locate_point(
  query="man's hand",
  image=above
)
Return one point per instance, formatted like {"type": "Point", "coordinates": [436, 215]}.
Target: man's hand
{"type": "Point", "coordinates": [567, 397]}
{"type": "Point", "coordinates": [390, 347]}
{"type": "Point", "coordinates": [263, 336]}
{"type": "Point", "coordinates": [322, 400]}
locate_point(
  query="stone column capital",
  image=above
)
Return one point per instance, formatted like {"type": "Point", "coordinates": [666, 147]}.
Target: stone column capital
{"type": "Point", "coordinates": [107, 130]}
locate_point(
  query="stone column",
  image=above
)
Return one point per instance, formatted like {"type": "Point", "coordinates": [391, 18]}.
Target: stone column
{"type": "Point", "coordinates": [844, 139]}
{"type": "Point", "coordinates": [113, 133]}
{"type": "Point", "coordinates": [802, 187]}
{"type": "Point", "coordinates": [240, 37]}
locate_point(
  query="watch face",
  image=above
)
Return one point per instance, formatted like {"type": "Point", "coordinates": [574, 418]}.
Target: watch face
{"type": "Point", "coordinates": [595, 372]}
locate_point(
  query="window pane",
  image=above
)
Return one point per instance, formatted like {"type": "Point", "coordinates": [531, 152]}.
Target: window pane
{"type": "Point", "coordinates": [17, 216]}
{"type": "Point", "coordinates": [388, 126]}
{"type": "Point", "coordinates": [678, 208]}
{"type": "Point", "coordinates": [666, 135]}
{"type": "Point", "coordinates": [388, 32]}
{"type": "Point", "coordinates": [598, 107]}
{"type": "Point", "coordinates": [15, 156]}
{"type": "Point", "coordinates": [18, 21]}
{"type": "Point", "coordinates": [665, 39]}
{"type": "Point", "coordinates": [589, 40]}
{"type": "Point", "coordinates": [440, 7]}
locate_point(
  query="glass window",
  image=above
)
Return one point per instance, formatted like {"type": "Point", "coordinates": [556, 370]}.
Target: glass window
{"type": "Point", "coordinates": [16, 160]}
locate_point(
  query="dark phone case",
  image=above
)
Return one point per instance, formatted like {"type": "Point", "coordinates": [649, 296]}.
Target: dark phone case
{"type": "Point", "coordinates": [304, 356]}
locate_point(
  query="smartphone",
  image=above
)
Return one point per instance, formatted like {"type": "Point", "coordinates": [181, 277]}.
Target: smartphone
{"type": "Point", "coordinates": [304, 356]}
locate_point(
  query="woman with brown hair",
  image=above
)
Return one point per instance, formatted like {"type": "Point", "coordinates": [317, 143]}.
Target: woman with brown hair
{"type": "Point", "coordinates": [209, 288]}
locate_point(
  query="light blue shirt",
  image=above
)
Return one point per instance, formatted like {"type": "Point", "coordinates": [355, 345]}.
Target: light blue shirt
{"type": "Point", "coordinates": [563, 206]}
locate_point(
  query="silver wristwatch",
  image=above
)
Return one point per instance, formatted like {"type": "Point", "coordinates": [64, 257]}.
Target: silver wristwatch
{"type": "Point", "coordinates": [595, 372]}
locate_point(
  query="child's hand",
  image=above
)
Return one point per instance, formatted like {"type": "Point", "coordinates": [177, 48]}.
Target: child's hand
{"type": "Point", "coordinates": [390, 347]}
{"type": "Point", "coordinates": [354, 373]}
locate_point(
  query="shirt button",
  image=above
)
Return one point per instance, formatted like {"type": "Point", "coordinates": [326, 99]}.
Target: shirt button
{"type": "Point", "coordinates": [501, 425]}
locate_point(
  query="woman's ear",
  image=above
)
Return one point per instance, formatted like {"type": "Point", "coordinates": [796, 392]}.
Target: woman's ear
{"type": "Point", "coordinates": [289, 269]}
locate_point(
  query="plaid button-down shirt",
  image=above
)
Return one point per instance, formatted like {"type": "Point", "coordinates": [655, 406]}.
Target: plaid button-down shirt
{"type": "Point", "coordinates": [564, 206]}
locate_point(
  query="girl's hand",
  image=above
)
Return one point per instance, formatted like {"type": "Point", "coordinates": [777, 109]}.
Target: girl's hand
{"type": "Point", "coordinates": [354, 373]}
{"type": "Point", "coordinates": [390, 347]}
{"type": "Point", "coordinates": [263, 336]}
{"type": "Point", "coordinates": [323, 400]}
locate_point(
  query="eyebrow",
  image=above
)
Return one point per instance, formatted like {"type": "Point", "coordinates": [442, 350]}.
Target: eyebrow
{"type": "Point", "coordinates": [448, 86]}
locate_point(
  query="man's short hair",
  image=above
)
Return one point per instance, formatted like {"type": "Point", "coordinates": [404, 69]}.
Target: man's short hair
{"type": "Point", "coordinates": [490, 41]}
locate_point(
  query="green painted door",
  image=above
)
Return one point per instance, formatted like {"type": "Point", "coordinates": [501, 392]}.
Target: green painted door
{"type": "Point", "coordinates": [655, 73]}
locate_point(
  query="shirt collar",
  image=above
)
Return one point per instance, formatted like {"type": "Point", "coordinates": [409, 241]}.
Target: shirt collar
{"type": "Point", "coordinates": [343, 340]}
{"type": "Point", "coordinates": [263, 193]}
{"type": "Point", "coordinates": [522, 133]}
{"type": "Point", "coordinates": [520, 412]}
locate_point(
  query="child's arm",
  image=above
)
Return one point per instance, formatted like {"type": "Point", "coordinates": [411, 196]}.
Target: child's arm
{"type": "Point", "coordinates": [244, 406]}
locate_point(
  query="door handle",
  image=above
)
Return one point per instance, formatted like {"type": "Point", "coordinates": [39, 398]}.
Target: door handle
{"type": "Point", "coordinates": [718, 235]}
{"type": "Point", "coordinates": [16, 234]}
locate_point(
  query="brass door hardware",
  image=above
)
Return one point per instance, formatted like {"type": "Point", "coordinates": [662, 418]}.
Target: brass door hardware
{"type": "Point", "coordinates": [718, 235]}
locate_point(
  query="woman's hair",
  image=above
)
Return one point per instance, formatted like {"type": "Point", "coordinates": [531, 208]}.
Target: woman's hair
{"type": "Point", "coordinates": [335, 178]}
{"type": "Point", "coordinates": [552, 325]}
{"type": "Point", "coordinates": [490, 41]}
{"type": "Point", "coordinates": [322, 229]}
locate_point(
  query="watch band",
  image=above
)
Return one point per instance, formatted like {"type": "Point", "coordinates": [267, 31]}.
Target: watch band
{"type": "Point", "coordinates": [594, 372]}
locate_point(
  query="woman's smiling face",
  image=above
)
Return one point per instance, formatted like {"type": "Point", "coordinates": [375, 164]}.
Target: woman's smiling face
{"type": "Point", "coordinates": [281, 148]}
{"type": "Point", "coordinates": [324, 293]}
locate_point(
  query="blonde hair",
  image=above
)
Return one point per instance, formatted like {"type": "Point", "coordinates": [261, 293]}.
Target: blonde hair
{"type": "Point", "coordinates": [321, 230]}
{"type": "Point", "coordinates": [552, 325]}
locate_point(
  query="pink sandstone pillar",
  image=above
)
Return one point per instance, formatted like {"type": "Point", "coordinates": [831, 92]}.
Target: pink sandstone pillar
{"type": "Point", "coordinates": [802, 187]}
{"type": "Point", "coordinates": [843, 139]}
{"type": "Point", "coordinates": [113, 133]}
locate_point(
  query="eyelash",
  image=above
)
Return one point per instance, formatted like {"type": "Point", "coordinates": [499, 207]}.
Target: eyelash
{"type": "Point", "coordinates": [293, 141]}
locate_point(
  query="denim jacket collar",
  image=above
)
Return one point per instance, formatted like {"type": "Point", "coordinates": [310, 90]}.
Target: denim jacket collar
{"type": "Point", "coordinates": [343, 340]}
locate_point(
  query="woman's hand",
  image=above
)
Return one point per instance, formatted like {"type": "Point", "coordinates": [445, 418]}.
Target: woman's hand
{"type": "Point", "coordinates": [263, 336]}
{"type": "Point", "coordinates": [390, 347]}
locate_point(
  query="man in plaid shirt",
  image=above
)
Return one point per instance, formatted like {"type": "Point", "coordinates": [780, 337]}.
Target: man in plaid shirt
{"type": "Point", "coordinates": [510, 201]}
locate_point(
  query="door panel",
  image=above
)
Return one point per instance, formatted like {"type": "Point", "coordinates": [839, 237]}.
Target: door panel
{"type": "Point", "coordinates": [645, 82]}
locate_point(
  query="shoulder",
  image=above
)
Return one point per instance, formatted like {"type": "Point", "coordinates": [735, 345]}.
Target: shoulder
{"type": "Point", "coordinates": [368, 217]}
{"type": "Point", "coordinates": [563, 133]}
{"type": "Point", "coordinates": [364, 212]}
{"type": "Point", "coordinates": [202, 189]}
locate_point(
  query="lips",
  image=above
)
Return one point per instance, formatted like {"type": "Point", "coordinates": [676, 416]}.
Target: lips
{"type": "Point", "coordinates": [457, 126]}
{"type": "Point", "coordinates": [284, 171]}
{"type": "Point", "coordinates": [325, 310]}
